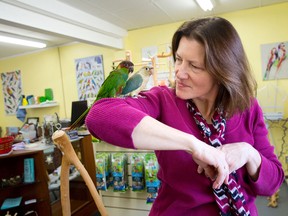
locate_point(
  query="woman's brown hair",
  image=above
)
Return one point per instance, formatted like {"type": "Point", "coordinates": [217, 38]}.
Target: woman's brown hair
{"type": "Point", "coordinates": [225, 60]}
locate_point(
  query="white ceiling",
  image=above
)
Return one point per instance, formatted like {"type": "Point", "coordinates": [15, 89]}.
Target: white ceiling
{"type": "Point", "coordinates": [101, 22]}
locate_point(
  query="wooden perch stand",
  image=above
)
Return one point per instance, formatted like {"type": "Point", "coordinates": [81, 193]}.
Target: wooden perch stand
{"type": "Point", "coordinates": [61, 140]}
{"type": "Point", "coordinates": [273, 200]}
{"type": "Point", "coordinates": [153, 60]}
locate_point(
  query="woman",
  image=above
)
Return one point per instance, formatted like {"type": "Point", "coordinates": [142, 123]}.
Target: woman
{"type": "Point", "coordinates": [212, 105]}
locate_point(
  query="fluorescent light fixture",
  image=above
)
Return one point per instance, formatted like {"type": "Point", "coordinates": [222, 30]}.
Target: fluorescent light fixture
{"type": "Point", "coordinates": [205, 4]}
{"type": "Point", "coordinates": [21, 42]}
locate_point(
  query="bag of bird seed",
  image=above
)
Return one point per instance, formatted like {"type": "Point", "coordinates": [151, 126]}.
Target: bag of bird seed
{"type": "Point", "coordinates": [119, 171]}
{"type": "Point", "coordinates": [137, 172]}
{"type": "Point", "coordinates": [100, 172]}
{"type": "Point", "coordinates": [151, 180]}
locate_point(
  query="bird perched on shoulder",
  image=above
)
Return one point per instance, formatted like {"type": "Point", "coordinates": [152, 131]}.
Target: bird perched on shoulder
{"type": "Point", "coordinates": [111, 87]}
{"type": "Point", "coordinates": [138, 81]}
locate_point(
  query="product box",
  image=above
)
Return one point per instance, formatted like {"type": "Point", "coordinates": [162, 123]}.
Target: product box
{"type": "Point", "coordinates": [29, 170]}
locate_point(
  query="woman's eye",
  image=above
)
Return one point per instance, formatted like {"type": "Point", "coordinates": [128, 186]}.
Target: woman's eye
{"type": "Point", "coordinates": [196, 68]}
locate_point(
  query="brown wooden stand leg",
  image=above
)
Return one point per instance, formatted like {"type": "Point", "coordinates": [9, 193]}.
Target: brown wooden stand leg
{"type": "Point", "coordinates": [273, 200]}
{"type": "Point", "coordinates": [62, 141]}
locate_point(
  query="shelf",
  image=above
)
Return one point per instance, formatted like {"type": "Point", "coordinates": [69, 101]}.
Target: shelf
{"type": "Point", "coordinates": [20, 185]}
{"type": "Point", "coordinates": [12, 165]}
{"type": "Point", "coordinates": [42, 105]}
{"type": "Point", "coordinates": [128, 202]}
{"type": "Point", "coordinates": [107, 147]}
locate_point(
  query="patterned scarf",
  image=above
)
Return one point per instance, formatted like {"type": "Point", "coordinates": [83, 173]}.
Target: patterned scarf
{"type": "Point", "coordinates": [229, 197]}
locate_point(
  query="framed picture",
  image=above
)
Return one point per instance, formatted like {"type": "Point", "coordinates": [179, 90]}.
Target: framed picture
{"type": "Point", "coordinates": [149, 52]}
{"type": "Point", "coordinates": [89, 76]}
{"type": "Point", "coordinates": [12, 91]}
{"type": "Point", "coordinates": [274, 61]}
{"type": "Point", "coordinates": [33, 120]}
{"type": "Point", "coordinates": [12, 131]}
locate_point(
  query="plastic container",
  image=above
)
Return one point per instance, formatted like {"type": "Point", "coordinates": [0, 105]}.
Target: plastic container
{"type": "Point", "coordinates": [49, 94]}
{"type": "Point", "coordinates": [6, 144]}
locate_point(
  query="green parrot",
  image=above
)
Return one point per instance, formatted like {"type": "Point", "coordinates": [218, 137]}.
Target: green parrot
{"type": "Point", "coordinates": [138, 81]}
{"type": "Point", "coordinates": [111, 87]}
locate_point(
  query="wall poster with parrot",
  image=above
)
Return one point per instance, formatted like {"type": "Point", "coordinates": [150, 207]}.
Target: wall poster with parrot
{"type": "Point", "coordinates": [89, 76]}
{"type": "Point", "coordinates": [274, 61]}
{"type": "Point", "coordinates": [12, 91]}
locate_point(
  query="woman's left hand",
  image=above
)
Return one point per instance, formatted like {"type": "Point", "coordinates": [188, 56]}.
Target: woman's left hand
{"type": "Point", "coordinates": [242, 154]}
{"type": "Point", "coordinates": [238, 155]}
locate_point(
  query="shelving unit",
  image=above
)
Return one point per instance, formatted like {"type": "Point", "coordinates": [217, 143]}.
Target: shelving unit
{"type": "Point", "coordinates": [42, 105]}
{"type": "Point", "coordinates": [127, 203]}
{"type": "Point", "coordinates": [13, 165]}
{"type": "Point", "coordinates": [277, 131]}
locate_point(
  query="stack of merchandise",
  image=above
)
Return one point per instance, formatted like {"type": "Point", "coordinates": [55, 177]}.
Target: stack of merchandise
{"type": "Point", "coordinates": [112, 171]}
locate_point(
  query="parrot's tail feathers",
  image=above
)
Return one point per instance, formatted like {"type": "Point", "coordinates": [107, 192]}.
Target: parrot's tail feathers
{"type": "Point", "coordinates": [78, 121]}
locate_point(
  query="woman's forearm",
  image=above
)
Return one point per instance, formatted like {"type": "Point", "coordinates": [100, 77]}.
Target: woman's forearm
{"type": "Point", "coordinates": [151, 134]}
{"type": "Point", "coordinates": [253, 164]}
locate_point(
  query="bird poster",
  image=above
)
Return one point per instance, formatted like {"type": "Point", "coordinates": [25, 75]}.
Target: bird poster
{"type": "Point", "coordinates": [274, 61]}
{"type": "Point", "coordinates": [12, 91]}
{"type": "Point", "coordinates": [89, 76]}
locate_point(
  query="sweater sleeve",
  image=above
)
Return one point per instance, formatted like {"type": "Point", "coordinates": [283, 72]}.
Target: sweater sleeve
{"type": "Point", "coordinates": [271, 174]}
{"type": "Point", "coordinates": [114, 119]}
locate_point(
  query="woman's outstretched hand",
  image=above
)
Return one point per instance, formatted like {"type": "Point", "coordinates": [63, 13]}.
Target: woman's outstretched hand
{"type": "Point", "coordinates": [213, 163]}
{"type": "Point", "coordinates": [242, 154]}
{"type": "Point", "coordinates": [236, 156]}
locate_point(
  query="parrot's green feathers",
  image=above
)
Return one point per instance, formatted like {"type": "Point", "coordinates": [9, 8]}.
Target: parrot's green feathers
{"type": "Point", "coordinates": [111, 87]}
{"type": "Point", "coordinates": [113, 84]}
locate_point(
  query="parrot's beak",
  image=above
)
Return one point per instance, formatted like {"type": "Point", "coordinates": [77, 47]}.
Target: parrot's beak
{"type": "Point", "coordinates": [131, 69]}
{"type": "Point", "coordinates": [151, 71]}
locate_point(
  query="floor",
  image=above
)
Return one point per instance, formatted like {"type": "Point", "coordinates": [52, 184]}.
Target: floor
{"type": "Point", "coordinates": [263, 209]}
{"type": "Point", "coordinates": [261, 202]}
{"type": "Point", "coordinates": [280, 210]}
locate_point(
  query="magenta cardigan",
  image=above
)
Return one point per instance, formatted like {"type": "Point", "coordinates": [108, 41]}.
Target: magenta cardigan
{"type": "Point", "coordinates": [183, 191]}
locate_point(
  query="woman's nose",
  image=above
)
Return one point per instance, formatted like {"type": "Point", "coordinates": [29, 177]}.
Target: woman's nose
{"type": "Point", "coordinates": [181, 71]}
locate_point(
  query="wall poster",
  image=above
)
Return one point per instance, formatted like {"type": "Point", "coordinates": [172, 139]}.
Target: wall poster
{"type": "Point", "coordinates": [149, 52]}
{"type": "Point", "coordinates": [12, 91]}
{"type": "Point", "coordinates": [89, 76]}
{"type": "Point", "coordinates": [274, 61]}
